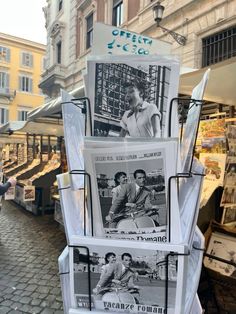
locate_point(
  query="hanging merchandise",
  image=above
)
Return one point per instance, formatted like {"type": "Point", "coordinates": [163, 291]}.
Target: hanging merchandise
{"type": "Point", "coordinates": [126, 276]}
{"type": "Point", "coordinates": [10, 193]}
{"type": "Point", "coordinates": [139, 210]}
{"type": "Point", "coordinates": [28, 193]}
{"type": "Point", "coordinates": [214, 168]}
{"type": "Point", "coordinates": [112, 82]}
{"type": "Point", "coordinates": [228, 200]}
{"type": "Point", "coordinates": [129, 202]}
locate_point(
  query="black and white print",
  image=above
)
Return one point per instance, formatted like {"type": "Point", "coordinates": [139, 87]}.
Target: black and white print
{"type": "Point", "coordinates": [223, 246]}
{"type": "Point", "coordinates": [131, 96]}
{"type": "Point", "coordinates": [131, 184]}
{"type": "Point", "coordinates": [126, 279]}
{"type": "Point", "coordinates": [229, 215]}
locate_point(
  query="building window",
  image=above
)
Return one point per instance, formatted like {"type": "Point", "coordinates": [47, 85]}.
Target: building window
{"type": "Point", "coordinates": [4, 80]}
{"type": "Point", "coordinates": [22, 115]}
{"type": "Point", "coordinates": [89, 37]}
{"type": "Point", "coordinates": [4, 54]}
{"type": "Point", "coordinates": [58, 52]}
{"type": "Point", "coordinates": [27, 59]}
{"type": "Point", "coordinates": [117, 13]}
{"type": "Point", "coordinates": [219, 47]}
{"type": "Point", "coordinates": [4, 115]}
{"type": "Point", "coordinates": [60, 2]}
{"type": "Point", "coordinates": [25, 84]}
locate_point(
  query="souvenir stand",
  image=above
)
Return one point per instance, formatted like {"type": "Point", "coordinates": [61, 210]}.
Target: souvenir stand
{"type": "Point", "coordinates": [51, 113]}
{"type": "Point", "coordinates": [157, 245]}
{"type": "Point", "coordinates": [79, 228]}
{"type": "Point", "coordinates": [217, 216]}
{"type": "Point", "coordinates": [219, 260]}
{"type": "Point", "coordinates": [13, 147]}
{"type": "Point", "coordinates": [5, 143]}
{"type": "Point", "coordinates": [42, 165]}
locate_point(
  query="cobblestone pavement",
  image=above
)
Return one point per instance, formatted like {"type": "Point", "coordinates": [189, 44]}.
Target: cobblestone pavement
{"type": "Point", "coordinates": [29, 249]}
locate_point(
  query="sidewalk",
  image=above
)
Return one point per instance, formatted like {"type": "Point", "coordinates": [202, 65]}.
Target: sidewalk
{"type": "Point", "coordinates": [29, 249]}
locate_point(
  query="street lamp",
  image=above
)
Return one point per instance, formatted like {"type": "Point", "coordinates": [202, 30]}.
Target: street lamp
{"type": "Point", "coordinates": [158, 10]}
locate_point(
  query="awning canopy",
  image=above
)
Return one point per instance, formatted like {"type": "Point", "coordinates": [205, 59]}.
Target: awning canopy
{"type": "Point", "coordinates": [53, 107]}
{"type": "Point", "coordinates": [221, 87]}
{"type": "Point", "coordinates": [11, 126]}
{"type": "Point", "coordinates": [31, 127]}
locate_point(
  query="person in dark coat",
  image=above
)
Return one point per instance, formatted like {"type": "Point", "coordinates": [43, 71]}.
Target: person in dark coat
{"type": "Point", "coordinates": [4, 187]}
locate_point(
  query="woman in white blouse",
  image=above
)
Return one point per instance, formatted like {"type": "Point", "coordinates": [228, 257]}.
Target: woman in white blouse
{"type": "Point", "coordinates": [120, 179]}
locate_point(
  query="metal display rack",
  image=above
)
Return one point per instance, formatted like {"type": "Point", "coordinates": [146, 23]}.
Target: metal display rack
{"type": "Point", "coordinates": [84, 105]}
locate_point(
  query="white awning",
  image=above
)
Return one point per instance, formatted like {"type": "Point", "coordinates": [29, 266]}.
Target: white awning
{"type": "Point", "coordinates": [53, 107]}
{"type": "Point", "coordinates": [54, 128]}
{"type": "Point", "coordinates": [221, 87]}
{"type": "Point", "coordinates": [11, 126]}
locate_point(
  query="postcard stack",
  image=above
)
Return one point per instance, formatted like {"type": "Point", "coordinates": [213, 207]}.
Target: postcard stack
{"type": "Point", "coordinates": [131, 197]}
{"type": "Point", "coordinates": [228, 200]}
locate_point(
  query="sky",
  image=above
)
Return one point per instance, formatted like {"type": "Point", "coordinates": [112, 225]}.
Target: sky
{"type": "Point", "coordinates": [23, 18]}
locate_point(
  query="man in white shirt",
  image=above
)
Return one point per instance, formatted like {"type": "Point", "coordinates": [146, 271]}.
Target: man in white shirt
{"type": "Point", "coordinates": [143, 118]}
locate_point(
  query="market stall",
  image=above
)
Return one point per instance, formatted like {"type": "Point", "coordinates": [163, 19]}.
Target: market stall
{"type": "Point", "coordinates": [38, 173]}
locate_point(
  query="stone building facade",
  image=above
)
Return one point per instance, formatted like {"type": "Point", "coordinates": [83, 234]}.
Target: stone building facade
{"type": "Point", "coordinates": [209, 26]}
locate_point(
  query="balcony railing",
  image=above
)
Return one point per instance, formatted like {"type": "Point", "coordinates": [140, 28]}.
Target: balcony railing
{"type": "Point", "coordinates": [53, 79]}
{"type": "Point", "coordinates": [7, 92]}
{"type": "Point", "coordinates": [55, 70]}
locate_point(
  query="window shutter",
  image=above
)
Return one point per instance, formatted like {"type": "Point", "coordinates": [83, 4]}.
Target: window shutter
{"type": "Point", "coordinates": [0, 116]}
{"type": "Point", "coordinates": [30, 85]}
{"type": "Point", "coordinates": [8, 55]}
{"type": "Point", "coordinates": [27, 59]}
{"type": "Point", "coordinates": [31, 61]}
{"type": "Point", "coordinates": [20, 83]}
{"type": "Point", "coordinates": [22, 58]}
{"type": "Point", "coordinates": [7, 115]}
{"type": "Point", "coordinates": [1, 79]}
{"type": "Point", "coordinates": [7, 80]}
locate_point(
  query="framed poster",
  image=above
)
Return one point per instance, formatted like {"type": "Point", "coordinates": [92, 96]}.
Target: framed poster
{"type": "Point", "coordinates": [228, 196]}
{"type": "Point", "coordinates": [28, 193]}
{"type": "Point", "coordinates": [10, 193]}
{"type": "Point", "coordinates": [124, 276]}
{"type": "Point", "coordinates": [130, 190]}
{"type": "Point", "coordinates": [131, 95]}
{"type": "Point", "coordinates": [229, 214]}
{"type": "Point", "coordinates": [223, 246]}
{"type": "Point", "coordinates": [231, 132]}
{"type": "Point", "coordinates": [215, 170]}
{"type": "Point", "coordinates": [211, 136]}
